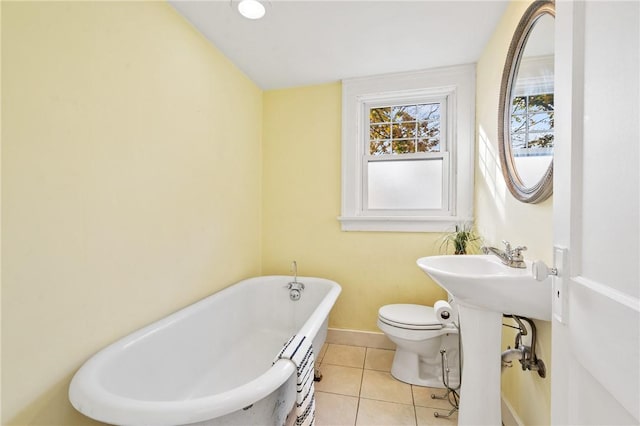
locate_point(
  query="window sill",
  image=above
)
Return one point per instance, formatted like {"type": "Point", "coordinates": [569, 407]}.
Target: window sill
{"type": "Point", "coordinates": [400, 223]}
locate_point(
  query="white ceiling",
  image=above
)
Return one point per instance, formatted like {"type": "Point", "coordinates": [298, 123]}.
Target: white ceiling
{"type": "Point", "coordinates": [302, 43]}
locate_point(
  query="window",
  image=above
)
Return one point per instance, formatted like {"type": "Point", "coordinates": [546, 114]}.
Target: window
{"type": "Point", "coordinates": [532, 111]}
{"type": "Point", "coordinates": [532, 118]}
{"type": "Point", "coordinates": [532, 125]}
{"type": "Point", "coordinates": [407, 157]}
{"type": "Point", "coordinates": [408, 151]}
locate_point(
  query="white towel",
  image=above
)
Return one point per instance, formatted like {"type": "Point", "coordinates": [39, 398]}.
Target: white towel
{"type": "Point", "coordinates": [300, 351]}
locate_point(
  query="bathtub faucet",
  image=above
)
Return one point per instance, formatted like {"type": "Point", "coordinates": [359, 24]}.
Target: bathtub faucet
{"type": "Point", "coordinates": [295, 285]}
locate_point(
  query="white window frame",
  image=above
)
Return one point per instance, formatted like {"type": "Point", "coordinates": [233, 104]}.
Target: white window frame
{"type": "Point", "coordinates": [457, 85]}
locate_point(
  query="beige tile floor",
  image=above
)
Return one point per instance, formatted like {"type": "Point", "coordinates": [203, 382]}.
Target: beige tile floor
{"type": "Point", "coordinates": [357, 389]}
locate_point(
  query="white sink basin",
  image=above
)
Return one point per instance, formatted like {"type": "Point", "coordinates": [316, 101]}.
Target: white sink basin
{"type": "Point", "coordinates": [483, 281]}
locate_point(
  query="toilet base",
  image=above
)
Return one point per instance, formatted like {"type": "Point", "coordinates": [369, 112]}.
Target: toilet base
{"type": "Point", "coordinates": [409, 367]}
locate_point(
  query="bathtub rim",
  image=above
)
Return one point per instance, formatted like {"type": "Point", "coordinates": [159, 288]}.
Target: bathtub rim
{"type": "Point", "coordinates": [90, 398]}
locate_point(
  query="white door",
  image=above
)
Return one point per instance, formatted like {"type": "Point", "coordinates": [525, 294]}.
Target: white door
{"type": "Point", "coordinates": [595, 375]}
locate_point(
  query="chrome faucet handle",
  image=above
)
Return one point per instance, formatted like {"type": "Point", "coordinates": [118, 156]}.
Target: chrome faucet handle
{"type": "Point", "coordinates": [517, 252]}
{"type": "Point", "coordinates": [295, 285]}
{"type": "Point", "coordinates": [507, 247]}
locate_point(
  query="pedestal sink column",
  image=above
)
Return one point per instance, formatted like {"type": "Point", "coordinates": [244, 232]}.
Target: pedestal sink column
{"type": "Point", "coordinates": [481, 334]}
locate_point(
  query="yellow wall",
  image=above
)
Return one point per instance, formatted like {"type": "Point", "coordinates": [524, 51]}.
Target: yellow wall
{"type": "Point", "coordinates": [301, 203]}
{"type": "Point", "coordinates": [130, 185]}
{"type": "Point", "coordinates": [500, 216]}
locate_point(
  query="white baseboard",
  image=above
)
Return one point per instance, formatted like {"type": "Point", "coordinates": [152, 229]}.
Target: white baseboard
{"type": "Point", "coordinates": [367, 339]}
{"type": "Point", "coordinates": [509, 415]}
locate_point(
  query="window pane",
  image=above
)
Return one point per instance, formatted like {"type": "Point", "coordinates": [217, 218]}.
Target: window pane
{"type": "Point", "coordinates": [379, 131]}
{"type": "Point", "coordinates": [403, 113]}
{"type": "Point", "coordinates": [518, 123]}
{"type": "Point", "coordinates": [518, 141]}
{"type": "Point", "coordinates": [541, 140]}
{"type": "Point", "coordinates": [541, 102]}
{"type": "Point", "coordinates": [429, 129]}
{"type": "Point", "coordinates": [405, 185]}
{"type": "Point", "coordinates": [380, 147]}
{"type": "Point", "coordinates": [404, 130]}
{"type": "Point", "coordinates": [541, 122]}
{"type": "Point", "coordinates": [519, 105]}
{"type": "Point", "coordinates": [429, 145]}
{"type": "Point", "coordinates": [428, 112]}
{"type": "Point", "coordinates": [404, 146]}
{"type": "Point", "coordinates": [380, 115]}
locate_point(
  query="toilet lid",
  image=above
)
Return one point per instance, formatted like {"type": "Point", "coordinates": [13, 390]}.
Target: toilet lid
{"type": "Point", "coordinates": [416, 317]}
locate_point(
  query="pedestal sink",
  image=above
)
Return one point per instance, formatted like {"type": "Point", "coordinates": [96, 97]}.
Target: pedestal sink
{"type": "Point", "coordinates": [484, 289]}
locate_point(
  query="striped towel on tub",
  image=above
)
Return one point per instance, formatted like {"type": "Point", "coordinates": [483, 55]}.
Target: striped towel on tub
{"type": "Point", "coordinates": [300, 351]}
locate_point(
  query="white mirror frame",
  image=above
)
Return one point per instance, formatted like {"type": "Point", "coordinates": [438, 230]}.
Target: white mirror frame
{"type": "Point", "coordinates": [544, 187]}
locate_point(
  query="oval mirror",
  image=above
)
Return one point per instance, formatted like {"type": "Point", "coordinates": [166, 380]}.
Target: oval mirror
{"type": "Point", "coordinates": [526, 109]}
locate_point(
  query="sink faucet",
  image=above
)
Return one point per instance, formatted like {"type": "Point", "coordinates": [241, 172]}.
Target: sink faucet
{"type": "Point", "coordinates": [511, 257]}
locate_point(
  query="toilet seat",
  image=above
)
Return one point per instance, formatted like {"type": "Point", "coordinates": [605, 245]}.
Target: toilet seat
{"type": "Point", "coordinates": [409, 316]}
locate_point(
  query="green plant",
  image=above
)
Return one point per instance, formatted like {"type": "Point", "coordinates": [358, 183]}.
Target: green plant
{"type": "Point", "coordinates": [463, 240]}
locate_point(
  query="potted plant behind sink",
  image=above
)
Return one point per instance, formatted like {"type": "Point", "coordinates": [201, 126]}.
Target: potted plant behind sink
{"type": "Point", "coordinates": [464, 240]}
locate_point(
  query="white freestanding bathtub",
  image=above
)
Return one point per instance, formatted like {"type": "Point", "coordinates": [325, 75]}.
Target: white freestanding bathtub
{"type": "Point", "coordinates": [209, 363]}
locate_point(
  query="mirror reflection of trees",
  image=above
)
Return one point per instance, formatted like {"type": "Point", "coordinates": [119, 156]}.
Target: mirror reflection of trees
{"type": "Point", "coordinates": [404, 129]}
{"type": "Point", "coordinates": [532, 124]}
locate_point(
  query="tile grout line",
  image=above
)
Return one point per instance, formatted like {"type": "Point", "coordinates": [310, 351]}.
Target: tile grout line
{"type": "Point", "coordinates": [360, 388]}
{"type": "Point", "coordinates": [415, 412]}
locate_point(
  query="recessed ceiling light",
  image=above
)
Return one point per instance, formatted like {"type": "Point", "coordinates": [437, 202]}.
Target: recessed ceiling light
{"type": "Point", "coordinates": [251, 9]}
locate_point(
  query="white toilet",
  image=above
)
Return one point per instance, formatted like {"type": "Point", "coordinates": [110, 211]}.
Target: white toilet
{"type": "Point", "coordinates": [419, 338]}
